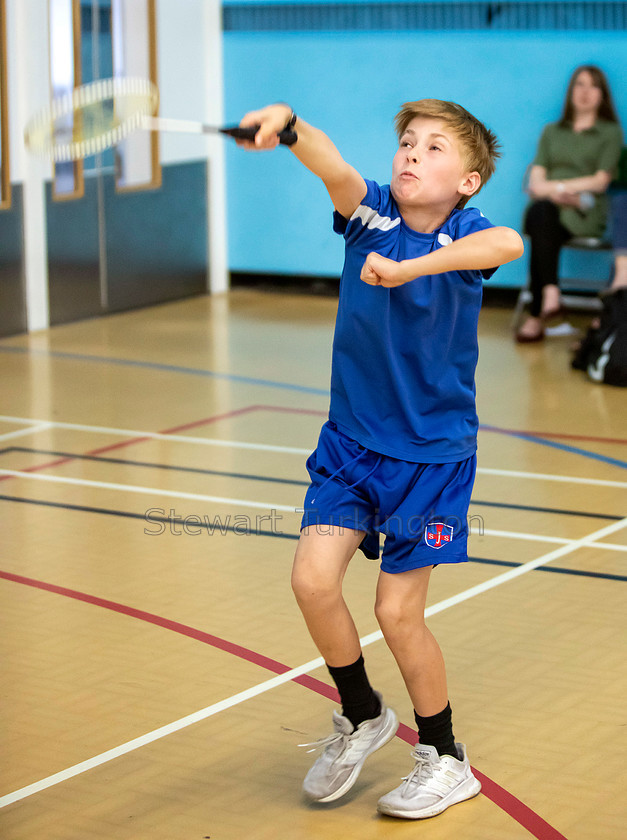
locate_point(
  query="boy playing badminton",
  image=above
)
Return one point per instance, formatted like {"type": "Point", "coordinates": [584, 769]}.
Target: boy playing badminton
{"type": "Point", "coordinates": [397, 455]}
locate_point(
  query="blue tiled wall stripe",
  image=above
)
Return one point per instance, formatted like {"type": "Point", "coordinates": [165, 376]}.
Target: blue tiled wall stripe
{"type": "Point", "coordinates": [578, 15]}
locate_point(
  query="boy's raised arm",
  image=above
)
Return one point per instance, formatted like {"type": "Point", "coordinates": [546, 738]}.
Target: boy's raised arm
{"type": "Point", "coordinates": [314, 149]}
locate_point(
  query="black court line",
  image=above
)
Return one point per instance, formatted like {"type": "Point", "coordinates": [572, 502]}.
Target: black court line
{"type": "Point", "coordinates": [557, 569]}
{"type": "Point", "coordinates": [538, 509]}
{"type": "Point", "coordinates": [129, 463]}
{"type": "Point", "coordinates": [292, 482]}
{"type": "Point", "coordinates": [222, 529]}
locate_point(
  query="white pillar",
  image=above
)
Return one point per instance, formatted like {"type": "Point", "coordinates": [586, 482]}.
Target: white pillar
{"type": "Point", "coordinates": [218, 280]}
{"type": "Point", "coordinates": [29, 89]}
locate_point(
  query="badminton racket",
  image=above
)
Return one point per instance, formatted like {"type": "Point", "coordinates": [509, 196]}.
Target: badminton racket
{"type": "Point", "coordinates": [99, 115]}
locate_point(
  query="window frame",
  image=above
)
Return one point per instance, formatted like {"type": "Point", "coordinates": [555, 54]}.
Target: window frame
{"type": "Point", "coordinates": [5, 157]}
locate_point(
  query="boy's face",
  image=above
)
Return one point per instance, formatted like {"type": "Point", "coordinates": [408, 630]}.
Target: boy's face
{"type": "Point", "coordinates": [428, 169]}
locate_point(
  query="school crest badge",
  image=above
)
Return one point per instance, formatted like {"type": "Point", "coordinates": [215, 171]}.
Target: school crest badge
{"type": "Point", "coordinates": [437, 534]}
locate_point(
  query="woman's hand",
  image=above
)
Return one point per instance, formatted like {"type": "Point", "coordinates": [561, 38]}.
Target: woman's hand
{"type": "Point", "coordinates": [563, 196]}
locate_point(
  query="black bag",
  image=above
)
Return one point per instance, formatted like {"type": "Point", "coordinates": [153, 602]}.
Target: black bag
{"type": "Point", "coordinates": [603, 352]}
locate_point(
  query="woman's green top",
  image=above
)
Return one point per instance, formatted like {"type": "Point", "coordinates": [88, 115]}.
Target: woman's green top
{"type": "Point", "coordinates": [565, 154]}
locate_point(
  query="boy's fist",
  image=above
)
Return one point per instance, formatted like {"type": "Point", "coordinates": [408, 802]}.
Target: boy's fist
{"type": "Point", "coordinates": [380, 271]}
{"type": "Point", "coordinates": [271, 121]}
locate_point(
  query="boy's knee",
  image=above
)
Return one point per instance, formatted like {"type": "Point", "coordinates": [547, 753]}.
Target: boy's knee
{"type": "Point", "coordinates": [394, 614]}
{"type": "Point", "coordinates": [388, 612]}
{"type": "Point", "coordinates": [309, 584]}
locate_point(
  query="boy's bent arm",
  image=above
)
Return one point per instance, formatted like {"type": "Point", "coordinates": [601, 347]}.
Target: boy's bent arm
{"type": "Point", "coordinates": [315, 150]}
{"type": "Point", "coordinates": [484, 249]}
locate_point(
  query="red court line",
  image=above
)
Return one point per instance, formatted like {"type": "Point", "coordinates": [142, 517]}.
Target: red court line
{"type": "Point", "coordinates": [283, 410]}
{"type": "Point", "coordinates": [287, 410]}
{"type": "Point", "coordinates": [206, 420]}
{"type": "Point", "coordinates": [485, 427]}
{"type": "Point", "coordinates": [174, 430]}
{"type": "Point", "coordinates": [512, 806]}
{"type": "Point", "coordinates": [132, 441]}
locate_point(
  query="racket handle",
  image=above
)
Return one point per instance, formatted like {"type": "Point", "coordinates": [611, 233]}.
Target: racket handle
{"type": "Point", "coordinates": [287, 137]}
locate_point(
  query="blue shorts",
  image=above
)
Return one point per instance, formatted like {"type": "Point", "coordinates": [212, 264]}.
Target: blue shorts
{"type": "Point", "coordinates": [421, 509]}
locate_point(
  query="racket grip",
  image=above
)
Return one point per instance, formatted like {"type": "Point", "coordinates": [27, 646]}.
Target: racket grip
{"type": "Point", "coordinates": [287, 137]}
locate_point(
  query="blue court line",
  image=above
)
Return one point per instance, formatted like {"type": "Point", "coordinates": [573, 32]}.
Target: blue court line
{"type": "Point", "coordinates": [303, 389]}
{"type": "Point", "coordinates": [273, 479]}
{"type": "Point", "coordinates": [220, 529]}
{"type": "Point", "coordinates": [210, 374]}
{"type": "Point", "coordinates": [615, 462]}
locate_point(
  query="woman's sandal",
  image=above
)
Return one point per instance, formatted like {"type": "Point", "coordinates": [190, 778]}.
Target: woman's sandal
{"type": "Point", "coordinates": [529, 338]}
{"type": "Point", "coordinates": [553, 314]}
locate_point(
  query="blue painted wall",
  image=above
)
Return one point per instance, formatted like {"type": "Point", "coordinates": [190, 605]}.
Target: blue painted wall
{"type": "Point", "coordinates": [351, 83]}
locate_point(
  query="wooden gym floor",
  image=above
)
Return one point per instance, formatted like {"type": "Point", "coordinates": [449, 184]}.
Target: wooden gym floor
{"type": "Point", "coordinates": [157, 676]}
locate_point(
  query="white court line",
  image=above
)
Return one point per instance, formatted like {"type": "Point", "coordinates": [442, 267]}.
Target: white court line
{"type": "Point", "coordinates": [42, 427]}
{"type": "Point", "coordinates": [28, 421]}
{"type": "Point", "coordinates": [133, 433]}
{"type": "Point", "coordinates": [178, 494]}
{"type": "Point", "coordinates": [568, 479]}
{"type": "Point", "coordinates": [609, 546]}
{"type": "Point", "coordinates": [261, 688]}
{"type": "Point", "coordinates": [157, 734]}
{"type": "Point", "coordinates": [293, 450]}
{"type": "Point", "coordinates": [151, 491]}
{"type": "Point", "coordinates": [518, 535]}
{"type": "Point", "coordinates": [528, 567]}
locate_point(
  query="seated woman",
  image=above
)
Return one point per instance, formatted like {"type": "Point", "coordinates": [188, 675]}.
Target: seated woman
{"type": "Point", "coordinates": [573, 167]}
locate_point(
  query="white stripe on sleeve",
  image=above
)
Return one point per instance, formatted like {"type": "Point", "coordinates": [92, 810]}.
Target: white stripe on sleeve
{"type": "Point", "coordinates": [372, 220]}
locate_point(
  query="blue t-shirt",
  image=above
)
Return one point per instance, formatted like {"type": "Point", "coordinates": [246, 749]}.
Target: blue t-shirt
{"type": "Point", "coordinates": [404, 359]}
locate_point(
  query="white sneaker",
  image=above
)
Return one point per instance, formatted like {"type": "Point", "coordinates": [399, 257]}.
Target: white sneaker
{"type": "Point", "coordinates": [337, 769]}
{"type": "Point", "coordinates": [434, 784]}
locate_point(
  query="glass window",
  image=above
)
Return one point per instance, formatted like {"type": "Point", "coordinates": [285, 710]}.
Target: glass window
{"type": "Point", "coordinates": [134, 56]}
{"type": "Point", "coordinates": [96, 61]}
{"type": "Point", "coordinates": [65, 74]}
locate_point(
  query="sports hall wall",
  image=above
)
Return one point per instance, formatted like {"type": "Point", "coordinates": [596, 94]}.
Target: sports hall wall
{"type": "Point", "coordinates": [347, 67]}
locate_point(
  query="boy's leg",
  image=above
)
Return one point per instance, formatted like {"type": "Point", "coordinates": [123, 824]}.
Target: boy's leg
{"type": "Point", "coordinates": [322, 557]}
{"type": "Point", "coordinates": [442, 774]}
{"type": "Point", "coordinates": [320, 564]}
{"type": "Point", "coordinates": [400, 607]}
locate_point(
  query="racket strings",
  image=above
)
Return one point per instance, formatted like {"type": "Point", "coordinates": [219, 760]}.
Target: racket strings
{"type": "Point", "coordinates": [91, 118]}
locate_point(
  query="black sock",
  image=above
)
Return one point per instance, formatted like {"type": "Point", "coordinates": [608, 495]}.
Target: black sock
{"type": "Point", "coordinates": [359, 702]}
{"type": "Point", "coordinates": [437, 731]}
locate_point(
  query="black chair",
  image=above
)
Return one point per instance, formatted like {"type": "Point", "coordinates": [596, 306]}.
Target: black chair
{"type": "Point", "coordinates": [581, 293]}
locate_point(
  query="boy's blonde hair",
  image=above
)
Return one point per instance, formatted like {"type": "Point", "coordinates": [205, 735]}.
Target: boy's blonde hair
{"type": "Point", "coordinates": [480, 148]}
